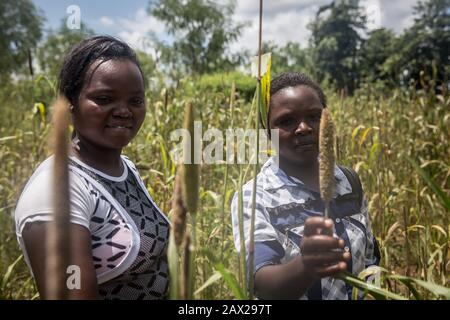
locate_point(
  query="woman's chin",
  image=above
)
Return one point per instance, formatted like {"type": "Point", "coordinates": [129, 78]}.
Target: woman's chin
{"type": "Point", "coordinates": [116, 143]}
{"type": "Point", "coordinates": [119, 140]}
{"type": "Point", "coordinates": [304, 158]}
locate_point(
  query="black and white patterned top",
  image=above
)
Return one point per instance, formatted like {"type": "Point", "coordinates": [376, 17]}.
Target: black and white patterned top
{"type": "Point", "coordinates": [129, 233]}
{"type": "Point", "coordinates": [147, 277]}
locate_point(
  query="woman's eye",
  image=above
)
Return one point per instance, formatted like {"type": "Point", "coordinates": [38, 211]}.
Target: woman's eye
{"type": "Point", "coordinates": [315, 117]}
{"type": "Point", "coordinates": [102, 99]}
{"type": "Point", "coordinates": [286, 122]}
{"type": "Point", "coordinates": [137, 101]}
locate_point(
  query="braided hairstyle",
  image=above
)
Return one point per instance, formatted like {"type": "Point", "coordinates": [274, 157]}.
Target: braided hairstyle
{"type": "Point", "coordinates": [76, 64]}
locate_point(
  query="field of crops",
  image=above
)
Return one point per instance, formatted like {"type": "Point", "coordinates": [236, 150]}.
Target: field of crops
{"type": "Point", "coordinates": [398, 141]}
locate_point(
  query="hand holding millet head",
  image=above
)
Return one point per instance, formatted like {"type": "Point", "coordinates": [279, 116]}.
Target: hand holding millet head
{"type": "Point", "coordinates": [322, 254]}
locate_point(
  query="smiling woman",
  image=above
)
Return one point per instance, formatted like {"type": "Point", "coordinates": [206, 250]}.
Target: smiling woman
{"type": "Point", "coordinates": [110, 109]}
{"type": "Point", "coordinates": [119, 235]}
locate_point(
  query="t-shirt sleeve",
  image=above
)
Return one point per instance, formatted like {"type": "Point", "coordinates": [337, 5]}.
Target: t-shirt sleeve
{"type": "Point", "coordinates": [36, 201]}
{"type": "Point", "coordinates": [264, 231]}
{"type": "Point", "coordinates": [267, 253]}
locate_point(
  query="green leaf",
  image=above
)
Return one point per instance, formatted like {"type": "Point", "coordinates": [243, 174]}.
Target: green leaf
{"type": "Point", "coordinates": [266, 64]}
{"type": "Point", "coordinates": [378, 293]}
{"type": "Point", "coordinates": [9, 271]}
{"type": "Point", "coordinates": [364, 136]}
{"type": "Point", "coordinates": [434, 288]}
{"type": "Point", "coordinates": [413, 290]}
{"type": "Point", "coordinates": [231, 281]}
{"type": "Point", "coordinates": [370, 271]}
{"type": "Point", "coordinates": [431, 183]}
{"type": "Point", "coordinates": [373, 151]}
{"type": "Point", "coordinates": [356, 130]}
{"type": "Point", "coordinates": [214, 278]}
{"type": "Point", "coordinates": [162, 148]}
{"type": "Point", "coordinates": [228, 277]}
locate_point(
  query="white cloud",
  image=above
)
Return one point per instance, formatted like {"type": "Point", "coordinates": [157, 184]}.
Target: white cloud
{"type": "Point", "coordinates": [287, 20]}
{"type": "Point", "coordinates": [106, 21]}
{"type": "Point", "coordinates": [283, 21]}
{"type": "Point", "coordinates": [136, 32]}
{"type": "Point", "coordinates": [270, 8]}
{"type": "Point", "coordinates": [397, 15]}
{"type": "Point", "coordinates": [372, 9]}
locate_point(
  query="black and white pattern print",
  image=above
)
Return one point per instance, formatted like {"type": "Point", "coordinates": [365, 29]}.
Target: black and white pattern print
{"type": "Point", "coordinates": [147, 277]}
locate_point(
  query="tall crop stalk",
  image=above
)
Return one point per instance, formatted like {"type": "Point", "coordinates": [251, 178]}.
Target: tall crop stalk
{"type": "Point", "coordinates": [255, 167]}
{"type": "Point", "coordinates": [179, 217]}
{"type": "Point", "coordinates": [224, 193]}
{"type": "Point", "coordinates": [58, 236]}
{"type": "Point", "coordinates": [190, 190]}
{"type": "Point", "coordinates": [326, 159]}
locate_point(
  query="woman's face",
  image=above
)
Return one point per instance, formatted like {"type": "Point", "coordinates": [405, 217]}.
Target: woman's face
{"type": "Point", "coordinates": [296, 112]}
{"type": "Point", "coordinates": [111, 104]}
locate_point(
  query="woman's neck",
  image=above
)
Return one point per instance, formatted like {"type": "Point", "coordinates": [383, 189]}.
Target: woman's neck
{"type": "Point", "coordinates": [308, 173]}
{"type": "Point", "coordinates": [103, 159]}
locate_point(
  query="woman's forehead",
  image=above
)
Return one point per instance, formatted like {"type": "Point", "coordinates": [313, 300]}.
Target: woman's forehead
{"type": "Point", "coordinates": [297, 95]}
{"type": "Point", "coordinates": [111, 70]}
{"type": "Point", "coordinates": [101, 67]}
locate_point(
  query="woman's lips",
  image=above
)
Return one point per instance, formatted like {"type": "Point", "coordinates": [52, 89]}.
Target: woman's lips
{"type": "Point", "coordinates": [119, 126]}
{"type": "Point", "coordinates": [119, 130]}
{"type": "Point", "coordinates": [306, 145]}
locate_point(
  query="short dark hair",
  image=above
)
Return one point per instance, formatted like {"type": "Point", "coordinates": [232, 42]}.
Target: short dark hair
{"type": "Point", "coordinates": [81, 57]}
{"type": "Point", "coordinates": [293, 79]}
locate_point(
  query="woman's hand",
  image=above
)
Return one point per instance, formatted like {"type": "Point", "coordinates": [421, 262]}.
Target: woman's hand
{"type": "Point", "coordinates": [322, 255]}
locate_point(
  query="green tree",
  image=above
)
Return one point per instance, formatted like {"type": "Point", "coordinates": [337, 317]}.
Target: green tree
{"type": "Point", "coordinates": [201, 31]}
{"type": "Point", "coordinates": [52, 51]}
{"type": "Point", "coordinates": [335, 42]}
{"type": "Point", "coordinates": [290, 57]}
{"type": "Point", "coordinates": [424, 47]}
{"type": "Point", "coordinates": [20, 31]}
{"type": "Point", "coordinates": [376, 50]}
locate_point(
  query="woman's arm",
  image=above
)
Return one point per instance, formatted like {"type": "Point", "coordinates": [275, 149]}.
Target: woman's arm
{"type": "Point", "coordinates": [322, 256]}
{"type": "Point", "coordinates": [34, 236]}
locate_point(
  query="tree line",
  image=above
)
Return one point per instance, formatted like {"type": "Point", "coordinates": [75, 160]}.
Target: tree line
{"type": "Point", "coordinates": [341, 51]}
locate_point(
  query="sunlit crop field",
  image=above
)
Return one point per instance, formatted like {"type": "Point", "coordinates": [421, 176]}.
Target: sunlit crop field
{"type": "Point", "coordinates": [381, 134]}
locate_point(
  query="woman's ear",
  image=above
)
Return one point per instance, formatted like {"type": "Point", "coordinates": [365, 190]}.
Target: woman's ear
{"type": "Point", "coordinates": [75, 140]}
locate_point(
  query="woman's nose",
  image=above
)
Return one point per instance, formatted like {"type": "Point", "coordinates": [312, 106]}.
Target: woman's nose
{"type": "Point", "coordinates": [303, 128]}
{"type": "Point", "coordinates": [122, 110]}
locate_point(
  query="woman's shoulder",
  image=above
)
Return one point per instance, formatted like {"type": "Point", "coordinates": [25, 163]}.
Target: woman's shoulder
{"type": "Point", "coordinates": [42, 177]}
{"type": "Point", "coordinates": [36, 199]}
{"type": "Point", "coordinates": [38, 191]}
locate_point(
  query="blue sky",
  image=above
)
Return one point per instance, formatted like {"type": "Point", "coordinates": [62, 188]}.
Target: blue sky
{"type": "Point", "coordinates": [91, 10]}
{"type": "Point", "coordinates": [284, 20]}
{"type": "Point", "coordinates": [95, 13]}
